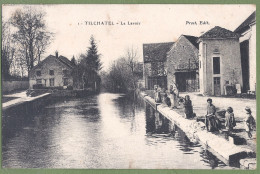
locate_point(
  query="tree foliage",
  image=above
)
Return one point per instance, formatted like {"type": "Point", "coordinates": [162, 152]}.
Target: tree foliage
{"type": "Point", "coordinates": [89, 66]}
{"type": "Point", "coordinates": [31, 35]}
{"type": "Point", "coordinates": [7, 50]}
{"type": "Point", "coordinates": [122, 76]}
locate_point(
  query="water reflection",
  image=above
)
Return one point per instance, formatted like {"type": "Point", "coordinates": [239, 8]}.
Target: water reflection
{"type": "Point", "coordinates": [104, 131]}
{"type": "Point", "coordinates": [158, 124]}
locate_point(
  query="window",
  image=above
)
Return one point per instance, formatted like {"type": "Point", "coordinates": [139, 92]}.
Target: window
{"type": "Point", "coordinates": [52, 82]}
{"type": "Point", "coordinates": [216, 80]}
{"type": "Point", "coordinates": [38, 73]}
{"type": "Point", "coordinates": [216, 65]}
{"type": "Point", "coordinates": [51, 72]}
{"type": "Point", "coordinates": [65, 72]}
{"type": "Point", "coordinates": [44, 82]}
{"type": "Point", "coordinates": [65, 82]}
{"type": "Point", "coordinates": [39, 81]}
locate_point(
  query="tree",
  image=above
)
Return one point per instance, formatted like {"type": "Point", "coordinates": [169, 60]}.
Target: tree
{"type": "Point", "coordinates": [90, 66]}
{"type": "Point", "coordinates": [131, 62]}
{"type": "Point", "coordinates": [31, 34]}
{"type": "Point", "coordinates": [7, 50]}
{"type": "Point", "coordinates": [92, 59]}
{"type": "Point", "coordinates": [73, 60]}
{"type": "Point", "coordinates": [122, 75]}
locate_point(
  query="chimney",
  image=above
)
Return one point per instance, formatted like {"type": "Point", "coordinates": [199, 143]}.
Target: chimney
{"type": "Point", "coordinates": [57, 54]}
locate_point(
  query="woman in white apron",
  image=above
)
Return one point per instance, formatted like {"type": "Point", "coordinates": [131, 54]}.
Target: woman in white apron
{"type": "Point", "coordinates": [174, 94]}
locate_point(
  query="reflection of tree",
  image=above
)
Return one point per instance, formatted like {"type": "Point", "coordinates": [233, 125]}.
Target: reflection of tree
{"type": "Point", "coordinates": [155, 122]}
{"type": "Point", "coordinates": [149, 118]}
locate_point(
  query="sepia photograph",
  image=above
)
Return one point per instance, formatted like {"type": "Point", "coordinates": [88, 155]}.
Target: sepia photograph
{"type": "Point", "coordinates": [129, 86]}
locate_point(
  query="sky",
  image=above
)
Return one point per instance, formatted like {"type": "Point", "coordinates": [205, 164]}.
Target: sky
{"type": "Point", "coordinates": [157, 23]}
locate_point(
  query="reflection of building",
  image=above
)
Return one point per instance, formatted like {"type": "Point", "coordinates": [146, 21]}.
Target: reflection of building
{"type": "Point", "coordinates": [247, 32]}
{"type": "Point", "coordinates": [219, 60]}
{"type": "Point", "coordinates": [53, 71]}
{"type": "Point", "coordinates": [155, 56]}
{"type": "Point", "coordinates": [182, 64]}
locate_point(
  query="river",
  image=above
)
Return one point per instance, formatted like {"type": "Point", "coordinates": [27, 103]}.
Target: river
{"type": "Point", "coordinates": [103, 131]}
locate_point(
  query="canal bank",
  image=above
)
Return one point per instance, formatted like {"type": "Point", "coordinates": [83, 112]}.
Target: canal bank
{"type": "Point", "coordinates": [25, 104]}
{"type": "Point", "coordinates": [22, 102]}
{"type": "Point", "coordinates": [224, 149]}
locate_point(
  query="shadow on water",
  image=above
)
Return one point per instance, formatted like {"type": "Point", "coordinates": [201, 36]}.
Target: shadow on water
{"type": "Point", "coordinates": [47, 115]}
{"type": "Point", "coordinates": [157, 124]}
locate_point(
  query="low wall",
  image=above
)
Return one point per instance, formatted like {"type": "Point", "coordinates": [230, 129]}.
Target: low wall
{"type": "Point", "coordinates": [25, 105]}
{"type": "Point", "coordinates": [8, 86]}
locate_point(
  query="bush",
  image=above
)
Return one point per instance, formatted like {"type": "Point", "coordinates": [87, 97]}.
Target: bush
{"type": "Point", "coordinates": [37, 86]}
{"type": "Point", "coordinates": [70, 87]}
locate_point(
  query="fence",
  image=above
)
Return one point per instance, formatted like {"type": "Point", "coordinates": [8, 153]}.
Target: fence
{"type": "Point", "coordinates": [8, 86]}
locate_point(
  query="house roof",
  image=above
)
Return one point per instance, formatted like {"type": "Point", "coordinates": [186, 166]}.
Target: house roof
{"type": "Point", "coordinates": [156, 52]}
{"type": "Point", "coordinates": [61, 59]}
{"type": "Point", "coordinates": [66, 61]}
{"type": "Point", "coordinates": [245, 25]}
{"type": "Point", "coordinates": [192, 40]}
{"type": "Point", "coordinates": [218, 33]}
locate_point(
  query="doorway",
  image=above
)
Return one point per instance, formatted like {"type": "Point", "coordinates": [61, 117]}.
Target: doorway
{"type": "Point", "coordinates": [244, 50]}
{"type": "Point", "coordinates": [217, 89]}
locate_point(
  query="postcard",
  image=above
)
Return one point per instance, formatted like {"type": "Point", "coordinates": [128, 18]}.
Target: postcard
{"type": "Point", "coordinates": [129, 86]}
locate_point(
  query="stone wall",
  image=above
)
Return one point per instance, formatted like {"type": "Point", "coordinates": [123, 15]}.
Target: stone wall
{"type": "Point", "coordinates": [8, 86]}
{"type": "Point", "coordinates": [178, 58]}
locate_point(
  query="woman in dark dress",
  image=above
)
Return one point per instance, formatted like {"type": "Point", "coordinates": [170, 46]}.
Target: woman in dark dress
{"type": "Point", "coordinates": [211, 121]}
{"type": "Point", "coordinates": [188, 107]}
{"type": "Point", "coordinates": [166, 100]}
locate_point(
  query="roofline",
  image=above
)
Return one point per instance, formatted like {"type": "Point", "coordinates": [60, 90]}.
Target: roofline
{"type": "Point", "coordinates": [179, 39]}
{"type": "Point", "coordinates": [174, 44]}
{"type": "Point", "coordinates": [44, 60]}
{"type": "Point", "coordinates": [158, 43]}
{"type": "Point", "coordinates": [33, 68]}
{"type": "Point", "coordinates": [199, 39]}
{"type": "Point", "coordinates": [190, 41]}
{"type": "Point", "coordinates": [65, 62]}
{"type": "Point", "coordinates": [254, 21]}
{"type": "Point", "coordinates": [188, 35]}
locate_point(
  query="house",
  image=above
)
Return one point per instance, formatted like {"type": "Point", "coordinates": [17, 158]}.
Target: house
{"type": "Point", "coordinates": [53, 71]}
{"type": "Point", "coordinates": [219, 61]}
{"type": "Point", "coordinates": [182, 64]}
{"type": "Point", "coordinates": [155, 56]}
{"type": "Point", "coordinates": [247, 40]}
